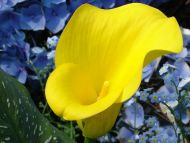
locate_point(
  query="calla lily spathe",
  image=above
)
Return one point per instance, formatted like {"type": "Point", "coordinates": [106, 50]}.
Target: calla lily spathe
{"type": "Point", "coordinates": [99, 61]}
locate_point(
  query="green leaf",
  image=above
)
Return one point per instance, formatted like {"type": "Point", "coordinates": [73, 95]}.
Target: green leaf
{"type": "Point", "coordinates": [20, 120]}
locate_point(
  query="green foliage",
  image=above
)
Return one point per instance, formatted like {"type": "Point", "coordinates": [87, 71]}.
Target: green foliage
{"type": "Point", "coordinates": [20, 120]}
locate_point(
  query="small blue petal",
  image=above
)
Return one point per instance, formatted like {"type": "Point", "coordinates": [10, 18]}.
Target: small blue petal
{"type": "Point", "coordinates": [149, 69]}
{"type": "Point", "coordinates": [134, 115]}
{"type": "Point", "coordinates": [97, 3]}
{"type": "Point", "coordinates": [166, 95]}
{"type": "Point", "coordinates": [182, 69]}
{"type": "Point", "coordinates": [32, 18]}
{"type": "Point", "coordinates": [152, 122]}
{"type": "Point", "coordinates": [75, 4]}
{"type": "Point", "coordinates": [23, 51]}
{"type": "Point", "coordinates": [9, 18]}
{"type": "Point", "coordinates": [6, 4]}
{"type": "Point", "coordinates": [181, 55]}
{"type": "Point", "coordinates": [37, 50]}
{"type": "Point", "coordinates": [9, 67]}
{"type": "Point", "coordinates": [51, 55]}
{"type": "Point", "coordinates": [154, 98]}
{"type": "Point", "coordinates": [52, 42]}
{"type": "Point", "coordinates": [184, 83]}
{"type": "Point", "coordinates": [41, 61]}
{"type": "Point", "coordinates": [22, 76]}
{"type": "Point", "coordinates": [56, 17]}
{"type": "Point", "coordinates": [126, 135]}
{"type": "Point", "coordinates": [144, 95]}
{"type": "Point", "coordinates": [14, 68]}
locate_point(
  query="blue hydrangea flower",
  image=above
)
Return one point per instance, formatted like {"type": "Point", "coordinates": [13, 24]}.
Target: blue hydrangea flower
{"type": "Point", "coordinates": [13, 60]}
{"type": "Point", "coordinates": [6, 4]}
{"type": "Point", "coordinates": [20, 51]}
{"type": "Point", "coordinates": [56, 17]}
{"type": "Point", "coordinates": [23, 51]}
{"type": "Point", "coordinates": [75, 4]}
{"type": "Point", "coordinates": [41, 61]}
{"type": "Point", "coordinates": [13, 67]}
{"type": "Point", "coordinates": [10, 38]}
{"type": "Point", "coordinates": [152, 122]}
{"type": "Point", "coordinates": [41, 58]}
{"type": "Point", "coordinates": [134, 115]}
{"type": "Point", "coordinates": [32, 18]}
{"type": "Point", "coordinates": [9, 18]}
{"type": "Point", "coordinates": [9, 29]}
{"type": "Point", "coordinates": [3, 4]}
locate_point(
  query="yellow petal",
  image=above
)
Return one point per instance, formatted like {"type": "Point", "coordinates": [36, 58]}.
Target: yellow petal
{"type": "Point", "coordinates": [101, 123]}
{"type": "Point", "coordinates": [68, 85]}
{"type": "Point", "coordinates": [110, 46]}
{"type": "Point", "coordinates": [157, 41]}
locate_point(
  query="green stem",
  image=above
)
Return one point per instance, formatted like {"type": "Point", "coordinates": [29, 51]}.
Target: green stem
{"type": "Point", "coordinates": [38, 75]}
{"type": "Point", "coordinates": [41, 84]}
{"type": "Point", "coordinates": [44, 109]}
{"type": "Point", "coordinates": [71, 130]}
{"type": "Point", "coordinates": [88, 140]}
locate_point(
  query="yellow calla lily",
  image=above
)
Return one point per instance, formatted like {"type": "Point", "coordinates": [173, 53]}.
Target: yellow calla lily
{"type": "Point", "coordinates": [99, 61]}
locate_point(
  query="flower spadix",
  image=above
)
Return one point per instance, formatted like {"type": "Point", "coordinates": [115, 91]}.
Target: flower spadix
{"type": "Point", "coordinates": [99, 61]}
